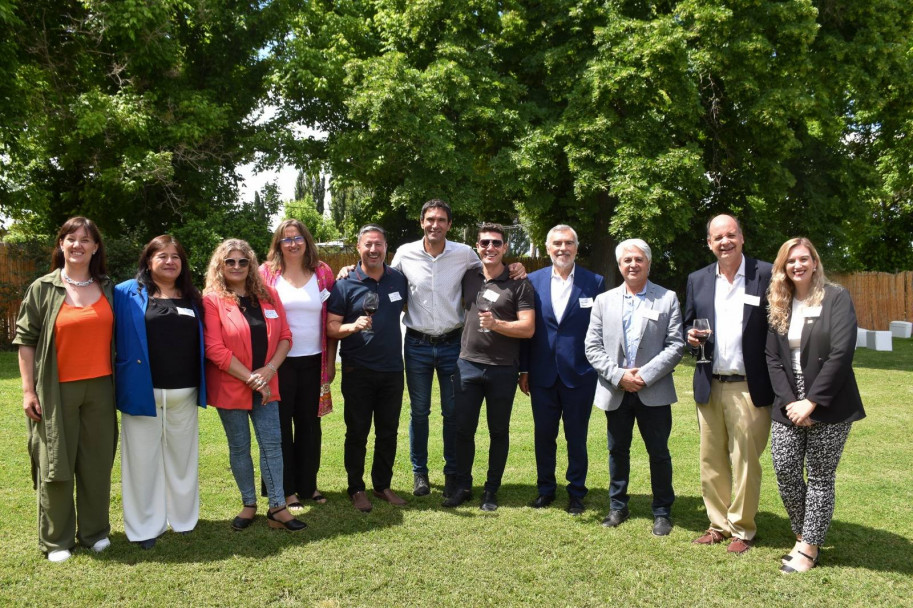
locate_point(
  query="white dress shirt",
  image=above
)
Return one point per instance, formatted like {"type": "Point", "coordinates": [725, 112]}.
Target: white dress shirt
{"type": "Point", "coordinates": [728, 307]}
{"type": "Point", "coordinates": [434, 306]}
{"type": "Point", "coordinates": [561, 291]}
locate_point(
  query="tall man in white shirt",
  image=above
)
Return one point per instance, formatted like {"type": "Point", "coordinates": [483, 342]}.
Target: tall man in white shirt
{"type": "Point", "coordinates": [733, 393]}
{"type": "Point", "coordinates": [434, 267]}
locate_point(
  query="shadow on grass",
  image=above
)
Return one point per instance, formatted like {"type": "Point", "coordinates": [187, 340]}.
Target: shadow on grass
{"type": "Point", "coordinates": [214, 540]}
{"type": "Point", "coordinates": [899, 359]}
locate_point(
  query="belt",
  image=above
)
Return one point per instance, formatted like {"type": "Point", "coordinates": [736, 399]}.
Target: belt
{"type": "Point", "coordinates": [729, 378]}
{"type": "Point", "coordinates": [450, 335]}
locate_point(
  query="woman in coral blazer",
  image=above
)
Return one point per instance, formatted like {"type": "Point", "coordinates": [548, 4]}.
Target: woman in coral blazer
{"type": "Point", "coordinates": [247, 338]}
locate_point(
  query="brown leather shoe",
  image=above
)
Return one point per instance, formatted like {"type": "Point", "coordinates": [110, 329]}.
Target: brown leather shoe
{"type": "Point", "coordinates": [390, 497]}
{"type": "Point", "coordinates": [710, 537]}
{"type": "Point", "coordinates": [361, 502]}
{"type": "Point", "coordinates": [739, 546]}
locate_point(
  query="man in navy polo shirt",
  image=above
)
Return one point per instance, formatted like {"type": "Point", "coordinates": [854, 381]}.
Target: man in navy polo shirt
{"type": "Point", "coordinates": [372, 364]}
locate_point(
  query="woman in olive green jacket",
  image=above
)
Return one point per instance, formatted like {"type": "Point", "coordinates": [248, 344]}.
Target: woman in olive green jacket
{"type": "Point", "coordinates": [64, 333]}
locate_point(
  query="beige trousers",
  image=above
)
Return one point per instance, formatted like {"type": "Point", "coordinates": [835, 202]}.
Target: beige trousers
{"type": "Point", "coordinates": [733, 435]}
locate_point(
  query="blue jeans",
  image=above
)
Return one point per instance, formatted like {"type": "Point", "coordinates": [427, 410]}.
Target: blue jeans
{"type": "Point", "coordinates": [269, 437]}
{"type": "Point", "coordinates": [422, 360]}
{"type": "Point", "coordinates": [496, 385]}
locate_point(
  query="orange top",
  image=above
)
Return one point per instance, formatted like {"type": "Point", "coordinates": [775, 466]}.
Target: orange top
{"type": "Point", "coordinates": [83, 339]}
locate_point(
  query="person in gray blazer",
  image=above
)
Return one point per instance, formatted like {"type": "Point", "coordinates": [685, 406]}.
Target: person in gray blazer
{"type": "Point", "coordinates": [634, 341]}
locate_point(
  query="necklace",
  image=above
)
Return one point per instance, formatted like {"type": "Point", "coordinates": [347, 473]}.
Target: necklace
{"type": "Point", "coordinates": [76, 283]}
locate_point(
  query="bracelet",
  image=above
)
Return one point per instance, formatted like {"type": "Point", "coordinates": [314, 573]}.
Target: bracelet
{"type": "Point", "coordinates": [272, 367]}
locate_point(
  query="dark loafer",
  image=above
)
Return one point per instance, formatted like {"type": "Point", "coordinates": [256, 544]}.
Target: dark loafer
{"type": "Point", "coordinates": [489, 502]}
{"type": "Point", "coordinates": [615, 518]}
{"type": "Point", "coordinates": [542, 501]}
{"type": "Point", "coordinates": [456, 498]}
{"type": "Point", "coordinates": [662, 526]}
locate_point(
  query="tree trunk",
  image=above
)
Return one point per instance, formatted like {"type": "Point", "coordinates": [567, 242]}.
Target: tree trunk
{"type": "Point", "coordinates": [602, 259]}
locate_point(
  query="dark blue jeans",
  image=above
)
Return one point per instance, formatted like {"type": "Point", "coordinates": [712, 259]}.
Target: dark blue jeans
{"type": "Point", "coordinates": [496, 385]}
{"type": "Point", "coordinates": [655, 425]}
{"type": "Point", "coordinates": [422, 361]}
{"type": "Point", "coordinates": [550, 406]}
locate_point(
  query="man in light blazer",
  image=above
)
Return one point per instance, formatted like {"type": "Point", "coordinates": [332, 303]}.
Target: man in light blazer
{"type": "Point", "coordinates": [733, 392]}
{"type": "Point", "coordinates": [634, 342]}
{"type": "Point", "coordinates": [554, 370]}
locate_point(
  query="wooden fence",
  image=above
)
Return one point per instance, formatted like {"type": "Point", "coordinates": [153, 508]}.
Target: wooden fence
{"type": "Point", "coordinates": [879, 297]}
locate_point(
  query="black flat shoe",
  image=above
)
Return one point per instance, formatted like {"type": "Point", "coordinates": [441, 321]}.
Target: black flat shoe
{"type": "Point", "coordinates": [542, 501]}
{"type": "Point", "coordinates": [787, 569]}
{"type": "Point", "coordinates": [293, 524]}
{"type": "Point", "coordinates": [240, 523]}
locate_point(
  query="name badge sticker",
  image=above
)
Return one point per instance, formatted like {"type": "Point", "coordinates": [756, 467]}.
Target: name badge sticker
{"type": "Point", "coordinates": [269, 313]}
{"type": "Point", "coordinates": [651, 314]}
{"type": "Point", "coordinates": [324, 295]}
{"type": "Point", "coordinates": [752, 300]}
{"type": "Point", "coordinates": [586, 302]}
{"type": "Point", "coordinates": [187, 312]}
{"type": "Point", "coordinates": [811, 311]}
{"type": "Point", "coordinates": [395, 297]}
{"type": "Point", "coordinates": [491, 295]}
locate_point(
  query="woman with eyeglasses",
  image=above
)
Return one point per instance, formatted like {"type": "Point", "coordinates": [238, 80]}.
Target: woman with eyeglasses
{"type": "Point", "coordinates": [247, 338]}
{"type": "Point", "coordinates": [65, 334]}
{"type": "Point", "coordinates": [303, 283]}
{"type": "Point", "coordinates": [159, 385]}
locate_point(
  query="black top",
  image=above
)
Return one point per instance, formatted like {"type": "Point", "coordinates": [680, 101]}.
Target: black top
{"type": "Point", "coordinates": [258, 340]}
{"type": "Point", "coordinates": [508, 296]}
{"type": "Point", "coordinates": [174, 343]}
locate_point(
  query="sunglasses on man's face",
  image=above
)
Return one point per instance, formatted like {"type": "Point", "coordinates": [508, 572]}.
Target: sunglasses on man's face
{"type": "Point", "coordinates": [239, 262]}
{"type": "Point", "coordinates": [483, 243]}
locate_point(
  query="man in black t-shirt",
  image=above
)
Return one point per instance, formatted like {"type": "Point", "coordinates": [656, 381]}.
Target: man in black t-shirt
{"type": "Point", "coordinates": [489, 361]}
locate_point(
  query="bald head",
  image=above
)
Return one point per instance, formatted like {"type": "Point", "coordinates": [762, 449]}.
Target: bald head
{"type": "Point", "coordinates": [725, 240]}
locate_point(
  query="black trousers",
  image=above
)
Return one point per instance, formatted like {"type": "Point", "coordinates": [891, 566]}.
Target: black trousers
{"type": "Point", "coordinates": [299, 387]}
{"type": "Point", "coordinates": [369, 394]}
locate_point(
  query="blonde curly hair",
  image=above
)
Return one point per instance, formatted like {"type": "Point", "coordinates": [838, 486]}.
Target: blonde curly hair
{"type": "Point", "coordinates": [781, 290]}
{"type": "Point", "coordinates": [215, 277]}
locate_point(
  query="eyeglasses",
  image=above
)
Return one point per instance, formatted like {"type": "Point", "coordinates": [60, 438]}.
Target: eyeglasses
{"type": "Point", "coordinates": [483, 243]}
{"type": "Point", "coordinates": [239, 262]}
{"type": "Point", "coordinates": [292, 239]}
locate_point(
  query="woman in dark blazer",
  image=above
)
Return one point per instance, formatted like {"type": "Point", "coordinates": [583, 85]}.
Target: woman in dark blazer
{"type": "Point", "coordinates": [810, 351]}
{"type": "Point", "coordinates": [159, 385]}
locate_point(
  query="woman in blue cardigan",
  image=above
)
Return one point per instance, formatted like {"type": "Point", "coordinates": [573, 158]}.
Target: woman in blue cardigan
{"type": "Point", "coordinates": [159, 382]}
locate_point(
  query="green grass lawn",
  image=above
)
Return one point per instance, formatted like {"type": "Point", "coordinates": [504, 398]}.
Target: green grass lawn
{"type": "Point", "coordinates": [425, 555]}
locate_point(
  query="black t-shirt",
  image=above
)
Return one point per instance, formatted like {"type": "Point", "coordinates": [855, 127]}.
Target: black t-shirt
{"type": "Point", "coordinates": [258, 339]}
{"type": "Point", "coordinates": [173, 334]}
{"type": "Point", "coordinates": [509, 296]}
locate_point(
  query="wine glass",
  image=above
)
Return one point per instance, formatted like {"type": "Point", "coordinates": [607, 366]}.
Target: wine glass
{"type": "Point", "coordinates": [484, 305]}
{"type": "Point", "coordinates": [369, 305]}
{"type": "Point", "coordinates": [702, 331]}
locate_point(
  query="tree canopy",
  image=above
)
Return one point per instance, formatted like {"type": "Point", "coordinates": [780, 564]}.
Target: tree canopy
{"type": "Point", "coordinates": [620, 117]}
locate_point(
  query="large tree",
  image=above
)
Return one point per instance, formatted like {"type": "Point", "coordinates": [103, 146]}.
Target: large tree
{"type": "Point", "coordinates": [132, 112]}
{"type": "Point", "coordinates": [621, 117]}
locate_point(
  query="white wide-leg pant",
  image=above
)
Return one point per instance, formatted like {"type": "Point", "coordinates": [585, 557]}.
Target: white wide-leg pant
{"type": "Point", "coordinates": [159, 466]}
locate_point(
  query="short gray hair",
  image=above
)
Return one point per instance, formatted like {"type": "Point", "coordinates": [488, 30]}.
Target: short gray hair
{"type": "Point", "coordinates": [561, 228]}
{"type": "Point", "coordinates": [631, 243]}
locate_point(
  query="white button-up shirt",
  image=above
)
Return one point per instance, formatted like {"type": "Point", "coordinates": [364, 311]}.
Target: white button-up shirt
{"type": "Point", "coordinates": [434, 306]}
{"type": "Point", "coordinates": [728, 307]}
{"type": "Point", "coordinates": [561, 291]}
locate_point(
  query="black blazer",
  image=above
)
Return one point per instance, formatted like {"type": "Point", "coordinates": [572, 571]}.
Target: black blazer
{"type": "Point", "coordinates": [827, 349]}
{"type": "Point", "coordinates": [699, 305]}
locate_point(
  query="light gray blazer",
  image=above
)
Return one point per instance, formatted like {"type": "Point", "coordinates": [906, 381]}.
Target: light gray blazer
{"type": "Point", "coordinates": [661, 345]}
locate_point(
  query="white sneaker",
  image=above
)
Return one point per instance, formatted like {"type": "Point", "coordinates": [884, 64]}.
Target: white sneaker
{"type": "Point", "coordinates": [101, 545]}
{"type": "Point", "coordinates": [60, 555]}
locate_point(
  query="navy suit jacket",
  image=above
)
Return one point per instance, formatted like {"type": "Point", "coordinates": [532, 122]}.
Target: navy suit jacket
{"type": "Point", "coordinates": [556, 350]}
{"type": "Point", "coordinates": [699, 305]}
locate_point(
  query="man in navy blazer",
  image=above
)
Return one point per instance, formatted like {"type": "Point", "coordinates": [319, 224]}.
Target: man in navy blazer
{"type": "Point", "coordinates": [554, 370]}
{"type": "Point", "coordinates": [733, 392]}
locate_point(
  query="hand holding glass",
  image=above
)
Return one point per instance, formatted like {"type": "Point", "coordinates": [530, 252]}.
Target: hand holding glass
{"type": "Point", "coordinates": [702, 331]}
{"type": "Point", "coordinates": [369, 305]}
{"type": "Point", "coordinates": [484, 305]}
